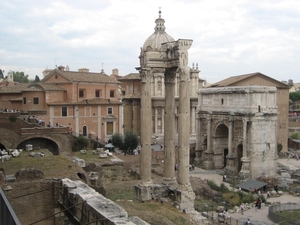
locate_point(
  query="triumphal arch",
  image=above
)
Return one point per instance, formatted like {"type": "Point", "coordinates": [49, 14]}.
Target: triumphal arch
{"type": "Point", "coordinates": [169, 58]}
{"type": "Point", "coordinates": [236, 130]}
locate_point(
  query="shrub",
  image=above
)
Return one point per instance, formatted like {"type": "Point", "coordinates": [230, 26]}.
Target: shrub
{"type": "Point", "coordinates": [12, 118]}
{"type": "Point", "coordinates": [279, 147]}
{"type": "Point", "coordinates": [294, 136]}
{"type": "Point", "coordinates": [80, 143]}
{"type": "Point", "coordinates": [213, 185]}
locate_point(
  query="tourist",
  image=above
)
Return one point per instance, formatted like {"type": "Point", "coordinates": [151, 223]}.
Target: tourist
{"type": "Point", "coordinates": [268, 194]}
{"type": "Point", "coordinates": [248, 222]}
{"type": "Point", "coordinates": [242, 208]}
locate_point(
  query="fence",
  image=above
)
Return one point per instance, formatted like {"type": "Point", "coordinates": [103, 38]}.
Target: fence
{"type": "Point", "coordinates": [276, 218]}
{"type": "Point", "coordinates": [7, 214]}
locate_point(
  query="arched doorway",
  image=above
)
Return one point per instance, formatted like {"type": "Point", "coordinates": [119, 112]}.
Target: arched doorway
{"type": "Point", "coordinates": [220, 146]}
{"type": "Point", "coordinates": [239, 157]}
{"type": "Point", "coordinates": [2, 146]}
{"type": "Point", "coordinates": [40, 143]}
{"type": "Point", "coordinates": [84, 131]}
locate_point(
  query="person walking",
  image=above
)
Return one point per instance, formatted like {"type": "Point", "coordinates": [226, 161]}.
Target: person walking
{"type": "Point", "coordinates": [242, 208]}
{"type": "Point", "coordinates": [248, 222]}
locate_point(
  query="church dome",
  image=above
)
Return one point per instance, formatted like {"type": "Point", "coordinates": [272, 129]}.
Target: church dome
{"type": "Point", "coordinates": [159, 36]}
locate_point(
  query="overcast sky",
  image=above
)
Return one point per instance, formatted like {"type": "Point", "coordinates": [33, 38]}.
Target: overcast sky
{"type": "Point", "coordinates": [230, 37]}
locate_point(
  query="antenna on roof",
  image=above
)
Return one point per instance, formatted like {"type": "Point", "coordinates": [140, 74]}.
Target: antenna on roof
{"type": "Point", "coordinates": [102, 70]}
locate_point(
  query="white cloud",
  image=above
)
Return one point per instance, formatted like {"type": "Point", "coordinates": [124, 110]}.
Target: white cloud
{"type": "Point", "coordinates": [229, 37]}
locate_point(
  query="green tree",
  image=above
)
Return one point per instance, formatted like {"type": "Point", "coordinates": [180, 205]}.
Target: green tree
{"type": "Point", "coordinates": [80, 143]}
{"type": "Point", "coordinates": [36, 79]}
{"type": "Point", "coordinates": [20, 77]}
{"type": "Point", "coordinates": [1, 74]}
{"type": "Point", "coordinates": [117, 140]}
{"type": "Point", "coordinates": [131, 141]}
{"type": "Point", "coordinates": [295, 96]}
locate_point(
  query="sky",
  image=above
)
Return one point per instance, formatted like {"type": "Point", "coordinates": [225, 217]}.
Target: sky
{"type": "Point", "coordinates": [230, 38]}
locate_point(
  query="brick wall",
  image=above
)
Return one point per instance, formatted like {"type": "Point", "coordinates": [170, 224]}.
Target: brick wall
{"type": "Point", "coordinates": [34, 200]}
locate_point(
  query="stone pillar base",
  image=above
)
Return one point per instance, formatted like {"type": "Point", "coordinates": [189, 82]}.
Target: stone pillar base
{"type": "Point", "coordinates": [143, 194]}
{"type": "Point", "coordinates": [184, 199]}
{"type": "Point", "coordinates": [198, 162]}
{"type": "Point", "coordinates": [208, 165]}
{"type": "Point", "coordinates": [230, 170]}
{"type": "Point", "coordinates": [170, 182]}
{"type": "Point", "coordinates": [244, 175]}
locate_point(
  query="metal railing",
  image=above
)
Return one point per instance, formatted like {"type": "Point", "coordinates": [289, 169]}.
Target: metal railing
{"type": "Point", "coordinates": [7, 214]}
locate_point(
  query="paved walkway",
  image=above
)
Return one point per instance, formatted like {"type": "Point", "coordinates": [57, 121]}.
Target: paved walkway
{"type": "Point", "coordinates": [259, 216]}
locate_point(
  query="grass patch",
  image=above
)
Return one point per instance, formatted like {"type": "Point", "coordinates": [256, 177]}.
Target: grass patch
{"type": "Point", "coordinates": [54, 166]}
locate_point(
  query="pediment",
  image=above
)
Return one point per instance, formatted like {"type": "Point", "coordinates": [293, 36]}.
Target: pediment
{"type": "Point", "coordinates": [55, 77]}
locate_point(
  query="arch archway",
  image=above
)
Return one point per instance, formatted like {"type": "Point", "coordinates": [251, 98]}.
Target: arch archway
{"type": "Point", "coordinates": [40, 143]}
{"type": "Point", "coordinates": [2, 146]}
{"type": "Point", "coordinates": [84, 131]}
{"type": "Point", "coordinates": [220, 146]}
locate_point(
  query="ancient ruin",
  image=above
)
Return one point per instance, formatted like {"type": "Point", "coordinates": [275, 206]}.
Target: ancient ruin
{"type": "Point", "coordinates": [236, 130]}
{"type": "Point", "coordinates": [171, 59]}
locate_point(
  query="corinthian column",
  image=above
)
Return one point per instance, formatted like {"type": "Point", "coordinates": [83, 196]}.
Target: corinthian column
{"type": "Point", "coordinates": [184, 127]}
{"type": "Point", "coordinates": [146, 132]}
{"type": "Point", "coordinates": [169, 127]}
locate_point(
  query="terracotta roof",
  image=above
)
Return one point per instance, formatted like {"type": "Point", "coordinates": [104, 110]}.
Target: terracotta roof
{"type": "Point", "coordinates": [18, 88]}
{"type": "Point", "coordinates": [232, 81]}
{"type": "Point", "coordinates": [131, 76]}
{"type": "Point", "coordinates": [43, 87]}
{"type": "Point", "coordinates": [92, 101]}
{"type": "Point", "coordinates": [83, 77]}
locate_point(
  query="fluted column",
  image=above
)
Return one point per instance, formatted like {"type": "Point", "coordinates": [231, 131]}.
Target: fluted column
{"type": "Point", "coordinates": [209, 154]}
{"type": "Point", "coordinates": [198, 150]}
{"type": "Point", "coordinates": [169, 127]}
{"type": "Point", "coordinates": [209, 150]}
{"type": "Point", "coordinates": [184, 129]}
{"type": "Point", "coordinates": [244, 174]}
{"type": "Point", "coordinates": [146, 131]}
{"type": "Point", "coordinates": [230, 137]}
{"type": "Point", "coordinates": [244, 137]}
{"type": "Point", "coordinates": [230, 168]}
{"type": "Point", "coordinates": [193, 120]}
{"type": "Point", "coordinates": [155, 120]}
{"type": "Point", "coordinates": [163, 120]}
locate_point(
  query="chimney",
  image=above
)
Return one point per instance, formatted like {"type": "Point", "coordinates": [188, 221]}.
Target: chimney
{"type": "Point", "coordinates": [115, 72]}
{"type": "Point", "coordinates": [83, 70]}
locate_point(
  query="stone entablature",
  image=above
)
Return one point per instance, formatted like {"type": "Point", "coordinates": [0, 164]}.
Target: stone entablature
{"type": "Point", "coordinates": [236, 130]}
{"type": "Point", "coordinates": [89, 206]}
{"type": "Point", "coordinates": [238, 99]}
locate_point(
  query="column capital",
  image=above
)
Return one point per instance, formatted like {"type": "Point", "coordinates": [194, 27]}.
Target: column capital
{"type": "Point", "coordinates": [145, 75]}
{"type": "Point", "coordinates": [184, 73]}
{"type": "Point", "coordinates": [170, 75]}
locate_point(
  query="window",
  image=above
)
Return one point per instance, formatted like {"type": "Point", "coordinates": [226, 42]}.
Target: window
{"type": "Point", "coordinates": [36, 101]}
{"type": "Point", "coordinates": [24, 100]}
{"type": "Point", "coordinates": [81, 93]}
{"type": "Point", "coordinates": [109, 128]}
{"type": "Point", "coordinates": [64, 111]}
{"type": "Point", "coordinates": [112, 94]}
{"type": "Point", "coordinates": [109, 110]}
{"type": "Point", "coordinates": [98, 93]}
